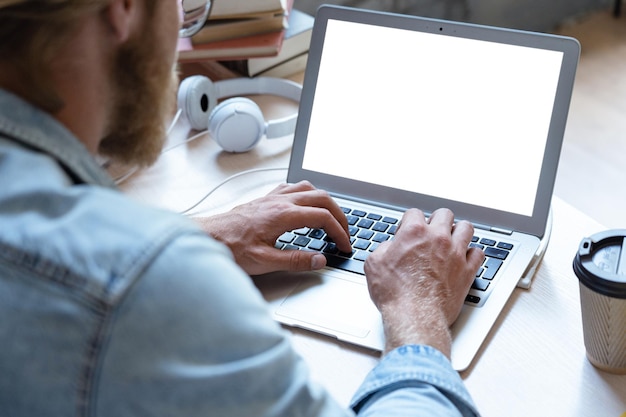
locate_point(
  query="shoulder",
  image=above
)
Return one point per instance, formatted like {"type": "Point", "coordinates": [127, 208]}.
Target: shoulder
{"type": "Point", "coordinates": [98, 236]}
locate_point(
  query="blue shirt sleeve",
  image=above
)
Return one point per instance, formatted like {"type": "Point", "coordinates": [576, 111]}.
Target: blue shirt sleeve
{"type": "Point", "coordinates": [413, 381]}
{"type": "Point", "coordinates": [194, 337]}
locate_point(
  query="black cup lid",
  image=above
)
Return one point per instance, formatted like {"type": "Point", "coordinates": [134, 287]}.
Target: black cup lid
{"type": "Point", "coordinates": [600, 263]}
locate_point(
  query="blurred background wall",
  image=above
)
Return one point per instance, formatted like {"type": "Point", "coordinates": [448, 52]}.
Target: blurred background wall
{"type": "Point", "coordinates": [536, 15]}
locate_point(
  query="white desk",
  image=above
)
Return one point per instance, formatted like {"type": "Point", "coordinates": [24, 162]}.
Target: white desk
{"type": "Point", "coordinates": [533, 363]}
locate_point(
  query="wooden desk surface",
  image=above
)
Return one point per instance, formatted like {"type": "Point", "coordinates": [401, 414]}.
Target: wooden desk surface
{"type": "Point", "coordinates": [533, 363]}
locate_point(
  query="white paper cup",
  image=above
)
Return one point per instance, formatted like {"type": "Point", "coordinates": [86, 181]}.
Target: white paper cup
{"type": "Point", "coordinates": [600, 266]}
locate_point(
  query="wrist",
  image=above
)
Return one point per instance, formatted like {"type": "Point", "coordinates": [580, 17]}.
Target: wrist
{"type": "Point", "coordinates": [423, 324]}
{"type": "Point", "coordinates": [211, 226]}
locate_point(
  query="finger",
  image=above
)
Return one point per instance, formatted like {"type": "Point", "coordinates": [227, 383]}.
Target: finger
{"type": "Point", "coordinates": [475, 258]}
{"type": "Point", "coordinates": [304, 193]}
{"type": "Point", "coordinates": [321, 218]}
{"type": "Point", "coordinates": [293, 188]}
{"type": "Point", "coordinates": [337, 231]}
{"type": "Point", "coordinates": [321, 199]}
{"type": "Point", "coordinates": [442, 217]}
{"type": "Point", "coordinates": [413, 217]}
{"type": "Point", "coordinates": [464, 231]}
{"type": "Point", "coordinates": [279, 189]}
{"type": "Point", "coordinates": [296, 260]}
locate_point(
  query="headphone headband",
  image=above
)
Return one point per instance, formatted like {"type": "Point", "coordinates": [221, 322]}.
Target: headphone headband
{"type": "Point", "coordinates": [237, 124]}
{"type": "Point", "coordinates": [261, 85]}
{"type": "Point", "coordinates": [291, 90]}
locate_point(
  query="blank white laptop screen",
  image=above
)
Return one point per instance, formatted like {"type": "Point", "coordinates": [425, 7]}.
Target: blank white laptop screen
{"type": "Point", "coordinates": [448, 96]}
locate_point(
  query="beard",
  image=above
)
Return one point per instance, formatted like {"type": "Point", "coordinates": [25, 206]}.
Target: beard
{"type": "Point", "coordinates": [144, 97]}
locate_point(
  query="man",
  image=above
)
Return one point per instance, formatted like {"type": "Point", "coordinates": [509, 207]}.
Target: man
{"type": "Point", "coordinates": [110, 308]}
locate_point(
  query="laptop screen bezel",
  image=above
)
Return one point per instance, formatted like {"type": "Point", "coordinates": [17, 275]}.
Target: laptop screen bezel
{"type": "Point", "coordinates": [400, 199]}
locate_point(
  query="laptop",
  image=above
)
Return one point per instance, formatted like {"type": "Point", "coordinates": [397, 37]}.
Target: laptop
{"type": "Point", "coordinates": [399, 111]}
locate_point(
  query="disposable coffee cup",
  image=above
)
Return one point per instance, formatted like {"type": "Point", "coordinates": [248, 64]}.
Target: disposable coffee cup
{"type": "Point", "coordinates": [600, 265]}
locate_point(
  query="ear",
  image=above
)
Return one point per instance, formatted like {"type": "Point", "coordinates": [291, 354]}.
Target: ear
{"type": "Point", "coordinates": [122, 16]}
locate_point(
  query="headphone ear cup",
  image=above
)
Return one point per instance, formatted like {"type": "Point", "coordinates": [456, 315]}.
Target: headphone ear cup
{"type": "Point", "coordinates": [237, 124]}
{"type": "Point", "coordinates": [197, 98]}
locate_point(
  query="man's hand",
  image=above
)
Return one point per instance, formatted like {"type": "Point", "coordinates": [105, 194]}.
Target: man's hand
{"type": "Point", "coordinates": [250, 230]}
{"type": "Point", "coordinates": [419, 280]}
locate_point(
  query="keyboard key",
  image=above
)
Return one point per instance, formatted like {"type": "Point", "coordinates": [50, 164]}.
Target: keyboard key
{"type": "Point", "coordinates": [380, 237]}
{"type": "Point", "coordinates": [346, 254]}
{"type": "Point", "coordinates": [352, 220]}
{"type": "Point", "coordinates": [359, 213]}
{"type": "Point", "coordinates": [346, 264]}
{"type": "Point", "coordinates": [390, 220]}
{"type": "Point", "coordinates": [374, 216]}
{"type": "Point", "coordinates": [365, 223]}
{"type": "Point", "coordinates": [365, 234]}
{"type": "Point", "coordinates": [487, 242]}
{"type": "Point", "coordinates": [491, 268]}
{"type": "Point", "coordinates": [287, 237]}
{"type": "Point", "coordinates": [472, 299]}
{"type": "Point", "coordinates": [316, 244]}
{"type": "Point", "coordinates": [317, 234]}
{"type": "Point", "coordinates": [480, 284]}
{"type": "Point", "coordinates": [361, 255]}
{"type": "Point", "coordinates": [505, 246]}
{"type": "Point", "coordinates": [301, 241]}
{"type": "Point", "coordinates": [496, 253]}
{"type": "Point", "coordinates": [380, 227]}
{"type": "Point", "coordinates": [331, 248]}
{"type": "Point", "coordinates": [361, 244]}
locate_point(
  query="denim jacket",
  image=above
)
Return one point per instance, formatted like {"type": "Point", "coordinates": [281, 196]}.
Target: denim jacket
{"type": "Point", "coordinates": [112, 308]}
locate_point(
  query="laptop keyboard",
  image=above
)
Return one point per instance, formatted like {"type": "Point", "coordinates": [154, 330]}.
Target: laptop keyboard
{"type": "Point", "coordinates": [368, 230]}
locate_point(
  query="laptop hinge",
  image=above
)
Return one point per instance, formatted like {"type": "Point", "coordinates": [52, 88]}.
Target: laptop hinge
{"type": "Point", "coordinates": [502, 231]}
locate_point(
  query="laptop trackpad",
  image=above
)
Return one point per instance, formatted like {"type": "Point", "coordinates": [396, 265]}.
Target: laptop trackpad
{"type": "Point", "coordinates": [330, 304]}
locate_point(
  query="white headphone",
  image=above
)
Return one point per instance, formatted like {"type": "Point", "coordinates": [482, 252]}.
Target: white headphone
{"type": "Point", "coordinates": [236, 124]}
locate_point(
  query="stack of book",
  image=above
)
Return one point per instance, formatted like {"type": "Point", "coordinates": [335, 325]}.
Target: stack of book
{"type": "Point", "coordinates": [252, 38]}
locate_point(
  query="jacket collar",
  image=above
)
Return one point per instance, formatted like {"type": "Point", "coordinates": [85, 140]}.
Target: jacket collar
{"type": "Point", "coordinates": [31, 127]}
